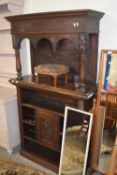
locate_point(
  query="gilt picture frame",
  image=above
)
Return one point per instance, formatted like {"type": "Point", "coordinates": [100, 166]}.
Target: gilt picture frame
{"type": "Point", "coordinates": [109, 70]}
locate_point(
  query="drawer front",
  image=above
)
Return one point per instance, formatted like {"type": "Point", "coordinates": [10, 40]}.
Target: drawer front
{"type": "Point", "coordinates": [48, 126]}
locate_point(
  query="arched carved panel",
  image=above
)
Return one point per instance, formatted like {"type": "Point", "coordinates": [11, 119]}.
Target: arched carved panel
{"type": "Point", "coordinates": [68, 54]}
{"type": "Point", "coordinates": [59, 51]}
{"type": "Point", "coordinates": [44, 52]}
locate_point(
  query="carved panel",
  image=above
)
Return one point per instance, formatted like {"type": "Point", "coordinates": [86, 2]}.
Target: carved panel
{"type": "Point", "coordinates": [58, 33]}
{"type": "Point", "coordinates": [64, 51]}
{"type": "Point", "coordinates": [16, 41]}
{"type": "Point", "coordinates": [84, 59]}
{"type": "Point", "coordinates": [48, 128]}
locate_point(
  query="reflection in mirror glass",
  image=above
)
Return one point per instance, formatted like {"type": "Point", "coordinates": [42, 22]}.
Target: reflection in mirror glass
{"type": "Point", "coordinates": [75, 142]}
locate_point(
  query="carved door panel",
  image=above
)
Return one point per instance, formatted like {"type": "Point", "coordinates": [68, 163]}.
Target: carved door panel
{"type": "Point", "coordinates": [48, 127]}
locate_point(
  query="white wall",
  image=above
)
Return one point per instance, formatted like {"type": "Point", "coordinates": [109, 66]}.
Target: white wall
{"type": "Point", "coordinates": [108, 24]}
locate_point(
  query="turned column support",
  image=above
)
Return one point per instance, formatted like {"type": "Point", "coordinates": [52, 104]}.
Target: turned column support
{"type": "Point", "coordinates": [18, 64]}
{"type": "Point", "coordinates": [16, 46]}
{"type": "Point", "coordinates": [83, 58]}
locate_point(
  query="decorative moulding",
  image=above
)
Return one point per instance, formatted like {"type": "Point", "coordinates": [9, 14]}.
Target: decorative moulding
{"type": "Point", "coordinates": [14, 6]}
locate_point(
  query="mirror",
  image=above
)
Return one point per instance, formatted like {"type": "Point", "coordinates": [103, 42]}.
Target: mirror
{"type": "Point", "coordinates": [75, 142]}
{"type": "Point", "coordinates": [107, 97]}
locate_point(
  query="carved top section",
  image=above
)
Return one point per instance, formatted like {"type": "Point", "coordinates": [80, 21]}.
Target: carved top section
{"type": "Point", "coordinates": [66, 37]}
{"type": "Point", "coordinates": [49, 22]}
{"type": "Point", "coordinates": [86, 12]}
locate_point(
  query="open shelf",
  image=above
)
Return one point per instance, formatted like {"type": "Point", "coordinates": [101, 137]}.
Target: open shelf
{"type": "Point", "coordinates": [40, 159]}
{"type": "Point", "coordinates": [49, 157]}
{"type": "Point", "coordinates": [46, 106]}
{"type": "Point", "coordinates": [29, 122]}
{"type": "Point", "coordinates": [29, 130]}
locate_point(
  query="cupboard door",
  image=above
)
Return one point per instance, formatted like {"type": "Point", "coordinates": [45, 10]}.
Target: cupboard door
{"type": "Point", "coordinates": [48, 126]}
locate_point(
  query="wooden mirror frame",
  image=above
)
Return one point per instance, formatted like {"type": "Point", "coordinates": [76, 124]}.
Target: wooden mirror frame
{"type": "Point", "coordinates": [99, 120]}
